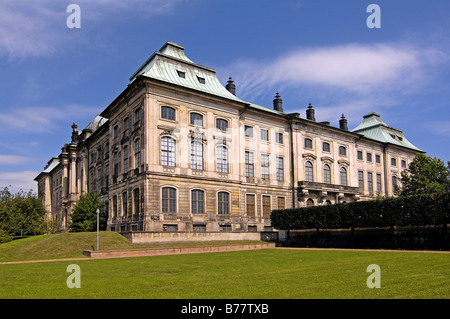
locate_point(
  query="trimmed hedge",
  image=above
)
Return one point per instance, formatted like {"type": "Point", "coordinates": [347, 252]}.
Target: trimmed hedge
{"type": "Point", "coordinates": [415, 210]}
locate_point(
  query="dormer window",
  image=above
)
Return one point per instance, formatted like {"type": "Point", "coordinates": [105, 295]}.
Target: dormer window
{"type": "Point", "coordinates": [201, 80]}
{"type": "Point", "coordinates": [181, 74]}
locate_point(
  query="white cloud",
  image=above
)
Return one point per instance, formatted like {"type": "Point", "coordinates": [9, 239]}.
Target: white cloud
{"type": "Point", "coordinates": [13, 159]}
{"type": "Point", "coordinates": [38, 27]}
{"type": "Point", "coordinates": [353, 68]}
{"type": "Point", "coordinates": [19, 180]}
{"type": "Point", "coordinates": [439, 127]}
{"type": "Point", "coordinates": [44, 119]}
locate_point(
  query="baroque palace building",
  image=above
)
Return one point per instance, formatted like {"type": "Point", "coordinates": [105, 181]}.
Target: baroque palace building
{"type": "Point", "coordinates": [178, 156]}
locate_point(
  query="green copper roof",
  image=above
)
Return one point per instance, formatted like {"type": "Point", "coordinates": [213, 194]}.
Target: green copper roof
{"type": "Point", "coordinates": [374, 128]}
{"type": "Point", "coordinates": [171, 65]}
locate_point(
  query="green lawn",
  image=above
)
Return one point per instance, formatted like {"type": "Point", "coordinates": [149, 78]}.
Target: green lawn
{"type": "Point", "coordinates": [71, 245]}
{"type": "Point", "coordinates": [267, 273]}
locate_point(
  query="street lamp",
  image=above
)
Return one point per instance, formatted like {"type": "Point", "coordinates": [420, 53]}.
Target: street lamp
{"type": "Point", "coordinates": [98, 213]}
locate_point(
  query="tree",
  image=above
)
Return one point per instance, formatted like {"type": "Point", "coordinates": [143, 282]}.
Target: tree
{"type": "Point", "coordinates": [84, 216]}
{"type": "Point", "coordinates": [20, 213]}
{"type": "Point", "coordinates": [425, 175]}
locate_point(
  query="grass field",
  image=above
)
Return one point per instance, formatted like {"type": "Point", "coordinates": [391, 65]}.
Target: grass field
{"type": "Point", "coordinates": [267, 273]}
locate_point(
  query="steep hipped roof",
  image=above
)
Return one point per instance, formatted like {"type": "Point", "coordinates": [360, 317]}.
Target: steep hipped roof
{"type": "Point", "coordinates": [374, 128]}
{"type": "Point", "coordinates": [171, 65]}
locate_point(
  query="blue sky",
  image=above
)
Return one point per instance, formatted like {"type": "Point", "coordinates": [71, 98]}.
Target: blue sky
{"type": "Point", "coordinates": [311, 51]}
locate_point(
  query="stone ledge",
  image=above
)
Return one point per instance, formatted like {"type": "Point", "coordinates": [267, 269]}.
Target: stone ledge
{"type": "Point", "coordinates": [173, 251]}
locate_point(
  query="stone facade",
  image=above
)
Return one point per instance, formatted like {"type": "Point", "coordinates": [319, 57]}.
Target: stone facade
{"type": "Point", "coordinates": [178, 152]}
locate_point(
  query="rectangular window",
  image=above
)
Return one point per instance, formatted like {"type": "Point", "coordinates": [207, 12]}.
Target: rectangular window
{"type": "Point", "coordinates": [249, 164]}
{"type": "Point", "coordinates": [125, 159]}
{"type": "Point", "coordinates": [361, 180]}
{"type": "Point", "coordinates": [223, 203]}
{"type": "Point", "coordinates": [250, 204]}
{"type": "Point", "coordinates": [264, 135]}
{"type": "Point", "coordinates": [280, 168]}
{"type": "Point", "coordinates": [403, 164]}
{"type": "Point", "coordinates": [379, 183]}
{"type": "Point", "coordinates": [199, 228]}
{"type": "Point", "coordinates": [115, 206]}
{"type": "Point", "coordinates": [225, 228]}
{"type": "Point", "coordinates": [308, 143]}
{"type": "Point", "coordinates": [136, 201]}
{"type": "Point", "coordinates": [393, 162]}
{"type": "Point", "coordinates": [248, 131]}
{"type": "Point", "coordinates": [222, 159]}
{"type": "Point", "coordinates": [281, 202]}
{"type": "Point", "coordinates": [342, 150]}
{"type": "Point", "coordinates": [326, 147]}
{"type": "Point", "coordinates": [126, 124]}
{"type": "Point", "coordinates": [266, 205]}
{"type": "Point", "coordinates": [196, 155]}
{"type": "Point", "coordinates": [170, 228]}
{"type": "Point", "coordinates": [125, 204]}
{"type": "Point", "coordinates": [370, 182]}
{"type": "Point", "coordinates": [279, 138]}
{"type": "Point", "coordinates": [198, 201]}
{"type": "Point", "coordinates": [377, 159]}
{"type": "Point", "coordinates": [137, 153]}
{"type": "Point", "coordinates": [264, 166]}
{"type": "Point", "coordinates": [137, 115]}
{"type": "Point", "coordinates": [360, 155]}
{"type": "Point", "coordinates": [369, 157]}
{"type": "Point", "coordinates": [169, 201]}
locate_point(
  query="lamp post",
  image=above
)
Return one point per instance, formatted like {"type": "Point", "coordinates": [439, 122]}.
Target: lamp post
{"type": "Point", "coordinates": [98, 213]}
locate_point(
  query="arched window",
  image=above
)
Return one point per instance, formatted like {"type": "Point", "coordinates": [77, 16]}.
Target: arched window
{"type": "Point", "coordinates": [198, 201]}
{"type": "Point", "coordinates": [309, 202]}
{"type": "Point", "coordinates": [222, 159]}
{"type": "Point", "coordinates": [168, 113]}
{"type": "Point", "coordinates": [326, 174]}
{"type": "Point", "coordinates": [196, 119]}
{"type": "Point", "coordinates": [169, 200]}
{"type": "Point", "coordinates": [221, 124]}
{"type": "Point", "coordinates": [326, 147]}
{"type": "Point", "coordinates": [342, 150]}
{"type": "Point", "coordinates": [327, 202]}
{"type": "Point", "coordinates": [343, 173]}
{"type": "Point", "coordinates": [223, 203]}
{"type": "Point", "coordinates": [167, 151]}
{"type": "Point", "coordinates": [308, 143]}
{"type": "Point", "coordinates": [196, 155]}
{"type": "Point", "coordinates": [309, 171]}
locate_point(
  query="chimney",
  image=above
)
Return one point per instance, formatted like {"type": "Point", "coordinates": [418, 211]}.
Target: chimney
{"type": "Point", "coordinates": [231, 87]}
{"type": "Point", "coordinates": [278, 103]}
{"type": "Point", "coordinates": [343, 123]}
{"type": "Point", "coordinates": [310, 113]}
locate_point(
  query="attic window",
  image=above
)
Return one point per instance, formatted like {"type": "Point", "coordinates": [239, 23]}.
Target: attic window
{"type": "Point", "coordinates": [201, 80]}
{"type": "Point", "coordinates": [392, 135]}
{"type": "Point", "coordinates": [400, 138]}
{"type": "Point", "coordinates": [181, 74]}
